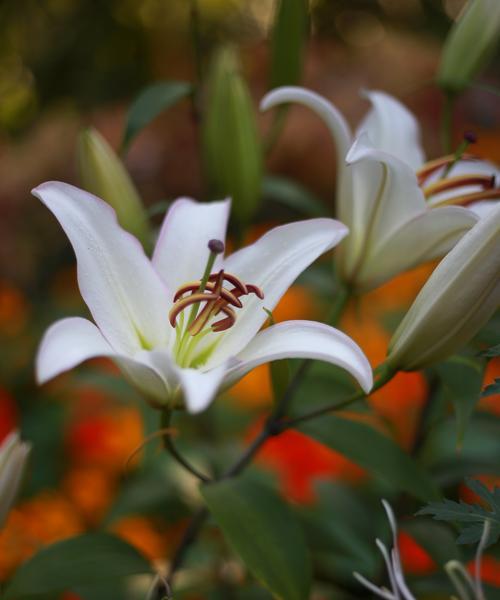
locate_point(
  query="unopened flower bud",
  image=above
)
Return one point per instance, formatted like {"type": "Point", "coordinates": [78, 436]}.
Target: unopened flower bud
{"type": "Point", "coordinates": [103, 174]}
{"type": "Point", "coordinates": [231, 142]}
{"type": "Point", "coordinates": [470, 44]}
{"type": "Point", "coordinates": [13, 456]}
{"type": "Point", "coordinates": [459, 298]}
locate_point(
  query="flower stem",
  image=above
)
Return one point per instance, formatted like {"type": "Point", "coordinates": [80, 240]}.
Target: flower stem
{"type": "Point", "coordinates": [275, 130]}
{"type": "Point", "coordinates": [166, 417]}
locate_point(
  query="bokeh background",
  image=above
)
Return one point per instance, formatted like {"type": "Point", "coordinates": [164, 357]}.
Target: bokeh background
{"type": "Point", "coordinates": [68, 64]}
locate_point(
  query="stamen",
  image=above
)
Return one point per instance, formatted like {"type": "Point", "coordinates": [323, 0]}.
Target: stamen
{"type": "Point", "coordinates": [180, 305]}
{"type": "Point", "coordinates": [490, 194]}
{"type": "Point", "coordinates": [434, 165]}
{"type": "Point", "coordinates": [232, 279]}
{"type": "Point", "coordinates": [457, 182]}
{"type": "Point", "coordinates": [226, 323]}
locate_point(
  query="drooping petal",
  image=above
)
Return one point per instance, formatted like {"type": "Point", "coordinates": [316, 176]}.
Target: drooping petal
{"type": "Point", "coordinates": [303, 339]}
{"type": "Point", "coordinates": [338, 128]}
{"type": "Point", "coordinates": [124, 294]}
{"type": "Point", "coordinates": [66, 344]}
{"type": "Point", "coordinates": [200, 387]}
{"type": "Point", "coordinates": [273, 263]}
{"type": "Point", "coordinates": [181, 251]}
{"type": "Point", "coordinates": [71, 341]}
{"type": "Point", "coordinates": [391, 127]}
{"type": "Point", "coordinates": [385, 195]}
{"type": "Point", "coordinates": [428, 236]}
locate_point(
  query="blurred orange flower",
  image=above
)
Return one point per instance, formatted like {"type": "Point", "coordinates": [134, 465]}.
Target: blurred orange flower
{"type": "Point", "coordinates": [416, 561]}
{"type": "Point", "coordinates": [42, 520]}
{"type": "Point", "coordinates": [91, 490]}
{"type": "Point", "coordinates": [142, 533]}
{"type": "Point", "coordinates": [14, 310]}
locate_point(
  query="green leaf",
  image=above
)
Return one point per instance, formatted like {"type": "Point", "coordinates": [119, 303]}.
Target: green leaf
{"type": "Point", "coordinates": [280, 370]}
{"type": "Point", "coordinates": [374, 451]}
{"type": "Point", "coordinates": [290, 30]}
{"type": "Point", "coordinates": [491, 352]}
{"type": "Point", "coordinates": [150, 103]}
{"type": "Point", "coordinates": [263, 531]}
{"type": "Point", "coordinates": [79, 561]}
{"type": "Point", "coordinates": [292, 195]}
{"type": "Point", "coordinates": [492, 389]}
{"type": "Point", "coordinates": [462, 378]}
{"type": "Point", "coordinates": [470, 517]}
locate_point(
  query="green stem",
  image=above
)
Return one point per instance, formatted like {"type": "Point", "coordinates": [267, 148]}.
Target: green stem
{"type": "Point", "coordinates": [447, 122]}
{"type": "Point", "coordinates": [166, 417]}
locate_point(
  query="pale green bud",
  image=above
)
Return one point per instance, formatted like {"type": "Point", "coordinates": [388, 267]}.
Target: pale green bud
{"type": "Point", "coordinates": [103, 174]}
{"type": "Point", "coordinates": [231, 142]}
{"type": "Point", "coordinates": [13, 457]}
{"type": "Point", "coordinates": [459, 298]}
{"type": "Point", "coordinates": [470, 44]}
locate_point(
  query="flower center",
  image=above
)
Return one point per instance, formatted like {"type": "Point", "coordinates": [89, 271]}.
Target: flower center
{"type": "Point", "coordinates": [209, 295]}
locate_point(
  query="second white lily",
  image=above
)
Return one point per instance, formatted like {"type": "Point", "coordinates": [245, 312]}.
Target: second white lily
{"type": "Point", "coordinates": [385, 192]}
{"type": "Point", "coordinates": [174, 333]}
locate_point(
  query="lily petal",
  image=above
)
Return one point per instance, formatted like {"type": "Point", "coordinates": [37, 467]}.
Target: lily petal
{"type": "Point", "coordinates": [200, 387]}
{"type": "Point", "coordinates": [181, 251]}
{"type": "Point", "coordinates": [392, 128]}
{"type": "Point", "coordinates": [69, 342]}
{"type": "Point", "coordinates": [425, 237]}
{"type": "Point", "coordinates": [273, 263]}
{"type": "Point", "coordinates": [385, 195]}
{"type": "Point", "coordinates": [66, 344]}
{"type": "Point", "coordinates": [303, 339]}
{"type": "Point", "coordinates": [333, 119]}
{"type": "Point", "coordinates": [116, 279]}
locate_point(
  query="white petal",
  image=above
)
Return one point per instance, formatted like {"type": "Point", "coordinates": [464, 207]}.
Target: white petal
{"type": "Point", "coordinates": [69, 342]}
{"type": "Point", "coordinates": [273, 263]}
{"type": "Point", "coordinates": [304, 339]}
{"type": "Point", "coordinates": [66, 344]}
{"type": "Point", "coordinates": [332, 118]}
{"type": "Point", "coordinates": [385, 195]}
{"type": "Point", "coordinates": [484, 208]}
{"type": "Point", "coordinates": [428, 236]}
{"type": "Point", "coordinates": [181, 251]}
{"type": "Point", "coordinates": [200, 387]}
{"type": "Point", "coordinates": [338, 128]}
{"type": "Point", "coordinates": [393, 128]}
{"type": "Point", "coordinates": [116, 279]}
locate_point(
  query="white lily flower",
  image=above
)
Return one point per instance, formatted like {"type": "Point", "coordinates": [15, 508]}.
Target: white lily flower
{"type": "Point", "coordinates": [13, 457]}
{"type": "Point", "coordinates": [137, 303]}
{"type": "Point", "coordinates": [385, 191]}
{"type": "Point", "coordinates": [459, 298]}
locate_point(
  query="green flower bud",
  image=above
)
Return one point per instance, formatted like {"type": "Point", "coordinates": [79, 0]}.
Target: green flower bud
{"type": "Point", "coordinates": [103, 174]}
{"type": "Point", "coordinates": [232, 149]}
{"type": "Point", "coordinates": [13, 457]}
{"type": "Point", "coordinates": [469, 44]}
{"type": "Point", "coordinates": [460, 296]}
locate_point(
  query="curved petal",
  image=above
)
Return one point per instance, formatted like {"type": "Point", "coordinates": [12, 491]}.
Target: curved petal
{"type": "Point", "coordinates": [386, 195]}
{"type": "Point", "coordinates": [181, 251]}
{"type": "Point", "coordinates": [427, 236]}
{"type": "Point", "coordinates": [69, 342]}
{"type": "Point", "coordinates": [338, 128]}
{"type": "Point", "coordinates": [200, 387]}
{"type": "Point", "coordinates": [303, 339]}
{"type": "Point", "coordinates": [124, 294]}
{"type": "Point", "coordinates": [66, 344]}
{"type": "Point", "coordinates": [273, 263]}
{"type": "Point", "coordinates": [392, 128]}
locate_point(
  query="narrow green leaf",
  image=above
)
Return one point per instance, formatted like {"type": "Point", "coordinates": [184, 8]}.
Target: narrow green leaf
{"type": "Point", "coordinates": [290, 30]}
{"type": "Point", "coordinates": [263, 531]}
{"type": "Point", "coordinates": [292, 195]}
{"type": "Point", "coordinates": [79, 561]}
{"type": "Point", "coordinates": [152, 101]}
{"type": "Point", "coordinates": [462, 379]}
{"type": "Point", "coordinates": [374, 451]}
